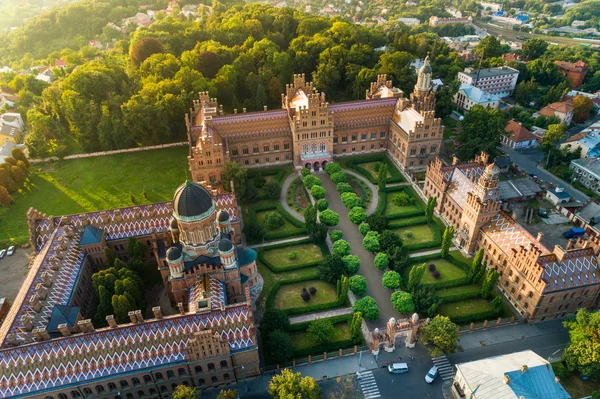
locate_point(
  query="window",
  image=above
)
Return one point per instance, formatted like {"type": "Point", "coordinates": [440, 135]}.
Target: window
{"type": "Point", "coordinates": [373, 136]}
{"type": "Point", "coordinates": [363, 136]}
{"type": "Point", "coordinates": [413, 151]}
{"type": "Point", "coordinates": [88, 392]}
{"type": "Point", "coordinates": [382, 135]}
{"type": "Point", "coordinates": [159, 376]}
{"type": "Point", "coordinates": [335, 140]}
{"type": "Point", "coordinates": [147, 379]}
{"type": "Point", "coordinates": [255, 150]}
{"type": "Point", "coordinates": [181, 372]}
{"type": "Point", "coordinates": [129, 395]}
{"type": "Point", "coordinates": [313, 147]}
{"type": "Point", "coordinates": [213, 379]}
{"type": "Point", "coordinates": [211, 366]}
{"type": "Point", "coordinates": [170, 374]}
{"type": "Point", "coordinates": [111, 387]}
{"type": "Point", "coordinates": [201, 381]}
{"type": "Point", "coordinates": [198, 369]}
{"type": "Point", "coordinates": [135, 381]}
{"type": "Point", "coordinates": [266, 148]}
{"type": "Point", "coordinates": [245, 150]}
{"type": "Point", "coordinates": [286, 146]}
{"type": "Point", "coordinates": [275, 147]}
{"type": "Point", "coordinates": [223, 364]}
{"type": "Point", "coordinates": [423, 150]}
{"type": "Point", "coordinates": [99, 388]}
{"type": "Point", "coordinates": [141, 394]}
{"type": "Point", "coordinates": [226, 376]}
{"type": "Point", "coordinates": [75, 394]}
{"type": "Point", "coordinates": [256, 161]}
{"type": "Point", "coordinates": [304, 148]}
{"type": "Point", "coordinates": [372, 146]}
{"type": "Point", "coordinates": [267, 159]}
{"type": "Point", "coordinates": [246, 162]}
{"type": "Point", "coordinates": [124, 384]}
{"type": "Point", "coordinates": [354, 136]}
{"type": "Point", "coordinates": [432, 149]}
{"type": "Point", "coordinates": [344, 139]}
{"type": "Point", "coordinates": [163, 388]}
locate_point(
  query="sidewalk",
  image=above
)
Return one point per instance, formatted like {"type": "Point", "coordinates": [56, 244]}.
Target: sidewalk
{"type": "Point", "coordinates": [268, 244]}
{"type": "Point", "coordinates": [320, 315]}
{"type": "Point", "coordinates": [431, 252]}
{"type": "Point", "coordinates": [282, 197]}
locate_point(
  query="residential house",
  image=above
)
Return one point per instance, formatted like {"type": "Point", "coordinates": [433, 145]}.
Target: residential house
{"type": "Point", "coordinates": [519, 375]}
{"type": "Point", "coordinates": [46, 75]}
{"type": "Point", "coordinates": [9, 133]}
{"type": "Point", "coordinates": [587, 140]}
{"type": "Point", "coordinates": [95, 43]}
{"type": "Point", "coordinates": [574, 71]}
{"type": "Point", "coordinates": [558, 196]}
{"type": "Point", "coordinates": [468, 96]}
{"type": "Point", "coordinates": [518, 136]}
{"type": "Point", "coordinates": [8, 98]}
{"type": "Point", "coordinates": [409, 21]}
{"type": "Point", "coordinates": [62, 64]}
{"type": "Point", "coordinates": [588, 217]}
{"type": "Point", "coordinates": [587, 172]}
{"type": "Point", "coordinates": [564, 111]}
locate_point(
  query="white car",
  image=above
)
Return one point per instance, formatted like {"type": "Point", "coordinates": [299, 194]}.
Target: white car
{"type": "Point", "coordinates": [431, 374]}
{"type": "Point", "coordinates": [2, 253]}
{"type": "Point", "coordinates": [11, 250]}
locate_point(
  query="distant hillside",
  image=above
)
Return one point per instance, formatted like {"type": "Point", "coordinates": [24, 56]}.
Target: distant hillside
{"type": "Point", "coordinates": [13, 13]}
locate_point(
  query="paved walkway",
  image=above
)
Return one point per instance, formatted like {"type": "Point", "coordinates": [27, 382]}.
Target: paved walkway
{"type": "Point", "coordinates": [268, 244]}
{"type": "Point", "coordinates": [367, 269]}
{"type": "Point", "coordinates": [374, 190]}
{"type": "Point", "coordinates": [283, 196]}
{"type": "Point", "coordinates": [405, 183]}
{"type": "Point", "coordinates": [320, 315]}
{"type": "Point", "coordinates": [433, 251]}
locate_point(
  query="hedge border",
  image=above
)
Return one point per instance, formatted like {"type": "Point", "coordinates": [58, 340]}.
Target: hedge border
{"type": "Point", "coordinates": [436, 227]}
{"type": "Point", "coordinates": [363, 192]}
{"type": "Point", "coordinates": [444, 284]}
{"type": "Point", "coordinates": [395, 175]}
{"type": "Point", "coordinates": [460, 297]}
{"type": "Point", "coordinates": [330, 346]}
{"type": "Point", "coordinates": [301, 227]}
{"type": "Point", "coordinates": [293, 187]}
{"type": "Point", "coordinates": [410, 191]}
{"type": "Point", "coordinates": [487, 315]}
{"type": "Point", "coordinates": [278, 269]}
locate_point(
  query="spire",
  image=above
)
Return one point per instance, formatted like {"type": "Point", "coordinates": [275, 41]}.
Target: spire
{"type": "Point", "coordinates": [424, 77]}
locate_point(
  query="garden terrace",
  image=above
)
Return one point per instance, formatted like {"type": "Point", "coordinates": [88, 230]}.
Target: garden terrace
{"type": "Point", "coordinates": [365, 166]}
{"type": "Point", "coordinates": [303, 346]}
{"type": "Point", "coordinates": [291, 226]}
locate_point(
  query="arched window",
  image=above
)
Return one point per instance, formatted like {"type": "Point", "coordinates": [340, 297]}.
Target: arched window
{"type": "Point", "coordinates": [198, 369]}
{"type": "Point", "coordinates": [111, 387]}
{"type": "Point", "coordinates": [223, 364]}
{"type": "Point", "coordinates": [173, 386]}
{"type": "Point", "coordinates": [141, 394]}
{"type": "Point", "coordinates": [135, 381]}
{"type": "Point", "coordinates": [129, 395]}
{"type": "Point", "coordinates": [313, 147]}
{"type": "Point", "coordinates": [211, 366]}
{"type": "Point", "coordinates": [147, 379]}
{"type": "Point", "coordinates": [201, 381]}
{"type": "Point", "coordinates": [304, 148]}
{"type": "Point", "coordinates": [99, 388]}
{"type": "Point", "coordinates": [75, 394]}
{"type": "Point", "coordinates": [124, 384]}
{"type": "Point", "coordinates": [163, 388]}
{"type": "Point", "coordinates": [62, 396]}
{"type": "Point", "coordinates": [49, 397]}
{"type": "Point", "coordinates": [323, 147]}
{"type": "Point", "coordinates": [226, 376]}
{"type": "Point", "coordinates": [170, 374]}
{"type": "Point", "coordinates": [152, 391]}
{"type": "Point", "coordinates": [181, 372]}
{"type": "Point", "coordinates": [159, 376]}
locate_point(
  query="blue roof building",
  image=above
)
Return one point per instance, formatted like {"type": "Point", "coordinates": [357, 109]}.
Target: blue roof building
{"type": "Point", "coordinates": [469, 96]}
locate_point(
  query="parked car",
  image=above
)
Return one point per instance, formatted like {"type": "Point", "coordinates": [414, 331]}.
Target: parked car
{"type": "Point", "coordinates": [11, 250]}
{"type": "Point", "coordinates": [2, 253]}
{"type": "Point", "coordinates": [543, 213]}
{"type": "Point", "coordinates": [431, 374]}
{"type": "Point", "coordinates": [398, 368]}
{"type": "Point", "coordinates": [574, 232]}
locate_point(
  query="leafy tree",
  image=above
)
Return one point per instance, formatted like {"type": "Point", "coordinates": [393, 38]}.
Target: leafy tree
{"type": "Point", "coordinates": [398, 258]}
{"type": "Point", "coordinates": [488, 284]}
{"type": "Point", "coordinates": [209, 63]}
{"type": "Point", "coordinates": [339, 177]}
{"type": "Point", "coordinates": [6, 180]}
{"type": "Point", "coordinates": [322, 204]}
{"type": "Point", "coordinates": [351, 263]}
{"type": "Point", "coordinates": [497, 305]}
{"type": "Point", "coordinates": [272, 190]}
{"type": "Point", "coordinates": [367, 306]}
{"type": "Point", "coordinates": [545, 72]}
{"type": "Point", "coordinates": [310, 181]}
{"type": "Point", "coordinates": [425, 301]}
{"type": "Point", "coordinates": [556, 91]}
{"type": "Point", "coordinates": [489, 47]}
{"type": "Point", "coordinates": [525, 91]}
{"type": "Point", "coordinates": [534, 48]}
{"type": "Point", "coordinates": [554, 134]}
{"type": "Point", "coordinates": [381, 261]}
{"type": "Point", "coordinates": [357, 215]}
{"type": "Point", "coordinates": [235, 173]}
{"type": "Point", "coordinates": [364, 228]}
{"type": "Point", "coordinates": [350, 200]}
{"type": "Point", "coordinates": [403, 199]}
{"type": "Point", "coordinates": [184, 392]}
{"type": "Point", "coordinates": [476, 264]}
{"type": "Point", "coordinates": [280, 346]}
{"type": "Point", "coordinates": [343, 188]}
{"type": "Point", "coordinates": [414, 277]}
{"type": "Point", "coordinates": [305, 172]}
{"type": "Point", "coordinates": [318, 192]}
{"type": "Point", "coordinates": [331, 268]}
{"type": "Point", "coordinates": [335, 235]}
{"type": "Point", "coordinates": [441, 334]}
{"type": "Point", "coordinates": [583, 352]}
{"type": "Point", "coordinates": [355, 326]}
{"type": "Point", "coordinates": [582, 108]}
{"type": "Point", "coordinates": [431, 204]}
{"type": "Point", "coordinates": [483, 130]}
{"type": "Point", "coordinates": [371, 241]}
{"type": "Point", "coordinates": [254, 231]}
{"type": "Point", "coordinates": [358, 285]}
{"type": "Point", "coordinates": [391, 280]}
{"type": "Point", "coordinates": [377, 222]}
{"type": "Point", "coordinates": [341, 248]}
{"type": "Point", "coordinates": [5, 198]}
{"type": "Point", "coordinates": [122, 306]}
{"type": "Point", "coordinates": [382, 177]}
{"type": "Point", "coordinates": [480, 273]}
{"type": "Point", "coordinates": [227, 394]}
{"type": "Point", "coordinates": [329, 218]}
{"type": "Point", "coordinates": [273, 320]}
{"type": "Point", "coordinates": [110, 256]}
{"type": "Point", "coordinates": [289, 385]}
{"type": "Point", "coordinates": [320, 331]}
{"type": "Point", "coordinates": [390, 240]}
{"type": "Point", "coordinates": [342, 287]}
{"type": "Point", "coordinates": [18, 175]}
{"type": "Point", "coordinates": [273, 220]}
{"type": "Point", "coordinates": [332, 168]}
{"type": "Point", "coordinates": [403, 302]}
{"type": "Point", "coordinates": [447, 241]}
{"type": "Point", "coordinates": [144, 48]}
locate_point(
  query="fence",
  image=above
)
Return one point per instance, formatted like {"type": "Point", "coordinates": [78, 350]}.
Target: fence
{"type": "Point", "coordinates": [487, 324]}
{"type": "Point", "coordinates": [316, 358]}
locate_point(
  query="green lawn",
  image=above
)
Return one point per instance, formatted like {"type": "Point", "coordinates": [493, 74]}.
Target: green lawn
{"type": "Point", "coordinates": [91, 184]}
{"type": "Point", "coordinates": [370, 166]}
{"type": "Point", "coordinates": [448, 271]}
{"type": "Point", "coordinates": [421, 233]}
{"type": "Point", "coordinates": [305, 253]}
{"type": "Point", "coordinates": [456, 254]}
{"type": "Point", "coordinates": [301, 341]}
{"type": "Point", "coordinates": [288, 296]}
{"type": "Point", "coordinates": [391, 208]}
{"type": "Point", "coordinates": [461, 308]}
{"type": "Point", "coordinates": [463, 289]}
{"type": "Point", "coordinates": [287, 226]}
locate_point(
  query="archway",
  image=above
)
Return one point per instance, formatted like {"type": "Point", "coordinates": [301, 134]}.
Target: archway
{"type": "Point", "coordinates": [316, 166]}
{"type": "Point", "coordinates": [324, 164]}
{"type": "Point", "coordinates": [307, 165]}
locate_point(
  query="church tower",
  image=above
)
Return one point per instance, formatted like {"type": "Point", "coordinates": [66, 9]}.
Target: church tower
{"type": "Point", "coordinates": [423, 97]}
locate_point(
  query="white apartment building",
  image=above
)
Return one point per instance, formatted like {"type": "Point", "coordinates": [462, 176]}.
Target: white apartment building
{"type": "Point", "coordinates": [500, 81]}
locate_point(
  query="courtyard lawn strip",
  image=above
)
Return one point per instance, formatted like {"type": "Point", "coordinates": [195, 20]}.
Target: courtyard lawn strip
{"type": "Point", "coordinates": [467, 311]}
{"type": "Point", "coordinates": [358, 163]}
{"type": "Point", "coordinates": [288, 299]}
{"type": "Point", "coordinates": [459, 293]}
{"type": "Point", "coordinates": [277, 257]}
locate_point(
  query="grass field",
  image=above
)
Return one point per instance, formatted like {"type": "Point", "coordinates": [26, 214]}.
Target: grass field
{"type": "Point", "coordinates": [463, 289]}
{"type": "Point", "coordinates": [421, 233]}
{"type": "Point", "coordinates": [391, 208]}
{"type": "Point", "coordinates": [287, 226]}
{"type": "Point", "coordinates": [461, 308]}
{"type": "Point", "coordinates": [448, 271]}
{"type": "Point", "coordinates": [305, 253]}
{"type": "Point", "coordinates": [370, 166]}
{"type": "Point", "coordinates": [91, 184]}
{"type": "Point", "coordinates": [288, 296]}
{"type": "Point", "coordinates": [301, 341]}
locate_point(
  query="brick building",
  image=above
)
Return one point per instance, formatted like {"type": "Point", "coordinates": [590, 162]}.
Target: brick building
{"type": "Point", "coordinates": [538, 282]}
{"type": "Point", "coordinates": [574, 71]}
{"type": "Point", "coordinates": [310, 132]}
{"type": "Point", "coordinates": [50, 349]}
{"type": "Point", "coordinates": [437, 21]}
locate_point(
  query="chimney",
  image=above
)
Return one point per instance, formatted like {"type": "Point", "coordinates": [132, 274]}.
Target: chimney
{"type": "Point", "coordinates": [110, 319]}
{"type": "Point", "coordinates": [27, 322]}
{"type": "Point", "coordinates": [524, 368]}
{"type": "Point", "coordinates": [514, 215]}
{"type": "Point", "coordinates": [570, 244]}
{"type": "Point", "coordinates": [506, 379]}
{"type": "Point", "coordinates": [180, 307]}
{"type": "Point", "coordinates": [35, 303]}
{"type": "Point", "coordinates": [244, 110]}
{"type": "Point", "coordinates": [235, 111]}
{"type": "Point", "coordinates": [44, 334]}
{"type": "Point", "coordinates": [12, 339]}
{"type": "Point", "coordinates": [132, 317]}
{"type": "Point", "coordinates": [41, 290]}
{"type": "Point", "coordinates": [46, 279]}
{"type": "Point", "coordinates": [157, 312]}
{"type": "Point", "coordinates": [36, 334]}
{"type": "Point", "coordinates": [264, 107]}
{"type": "Point", "coordinates": [64, 330]}
{"type": "Point", "coordinates": [85, 326]}
{"type": "Point", "coordinates": [540, 236]}
{"type": "Point", "coordinates": [138, 316]}
{"type": "Point", "coordinates": [54, 264]}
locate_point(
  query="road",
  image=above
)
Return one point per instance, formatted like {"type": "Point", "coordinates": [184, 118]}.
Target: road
{"type": "Point", "coordinates": [509, 34]}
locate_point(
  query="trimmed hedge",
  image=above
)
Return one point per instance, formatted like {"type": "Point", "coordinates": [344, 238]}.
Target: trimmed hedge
{"type": "Point", "coordinates": [399, 223]}
{"type": "Point", "coordinates": [461, 297]}
{"type": "Point", "coordinates": [479, 316]}
{"type": "Point", "coordinates": [278, 269]}
{"type": "Point", "coordinates": [364, 196]}
{"type": "Point", "coordinates": [300, 230]}
{"type": "Point", "coordinates": [328, 347]}
{"type": "Point", "coordinates": [449, 284]}
{"type": "Point", "coordinates": [345, 318]}
{"type": "Point", "coordinates": [395, 175]}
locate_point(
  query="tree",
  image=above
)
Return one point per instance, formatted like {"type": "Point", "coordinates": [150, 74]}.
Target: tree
{"type": "Point", "coordinates": [339, 177]}
{"type": "Point", "coordinates": [310, 181]}
{"type": "Point", "coordinates": [18, 175]}
{"type": "Point", "coordinates": [209, 63]}
{"type": "Point", "coordinates": [488, 284]}
{"type": "Point", "coordinates": [391, 280]}
{"type": "Point", "coordinates": [447, 240]}
{"type": "Point", "coordinates": [431, 204]}
{"type": "Point", "coordinates": [6, 180]}
{"type": "Point", "coordinates": [273, 320]}
{"type": "Point", "coordinates": [331, 268]}
{"type": "Point", "coordinates": [272, 190]}
{"type": "Point", "coordinates": [318, 192]}
{"type": "Point", "coordinates": [343, 188]}
{"type": "Point", "coordinates": [425, 301]}
{"type": "Point", "coordinates": [489, 47]}
{"type": "Point", "coordinates": [350, 200]}
{"type": "Point", "coordinates": [233, 172]}
{"type": "Point", "coordinates": [320, 331]}
{"type": "Point", "coordinates": [5, 198]}
{"type": "Point", "coordinates": [227, 394]}
{"type": "Point", "coordinates": [476, 264]}
{"type": "Point", "coordinates": [322, 204]}
{"type": "Point", "coordinates": [355, 326]}
{"type": "Point", "coordinates": [273, 220]}
{"type": "Point", "coordinates": [329, 218]}
{"type": "Point", "coordinates": [399, 258]}
{"type": "Point", "coordinates": [144, 48]}
{"type": "Point", "coordinates": [364, 228]}
{"type": "Point", "coordinates": [525, 91]}
{"type": "Point", "coordinates": [19, 155]}
{"type": "Point", "coordinates": [582, 108]}
{"type": "Point", "coordinates": [382, 177]}
{"type": "Point", "coordinates": [414, 277]}
{"type": "Point", "coordinates": [403, 302]}
{"type": "Point", "coordinates": [381, 261]}
{"type": "Point", "coordinates": [483, 130]}
{"type": "Point", "coordinates": [184, 392]}
{"type": "Point", "coordinates": [554, 134]}
{"type": "Point", "coordinates": [332, 168]}
{"type": "Point", "coordinates": [122, 306]}
{"type": "Point", "coordinates": [288, 385]}
{"type": "Point", "coordinates": [341, 248]}
{"type": "Point", "coordinates": [367, 306]}
{"type": "Point", "coordinates": [441, 334]}
{"type": "Point", "coordinates": [357, 215]}
{"type": "Point", "coordinates": [583, 352]}
{"type": "Point", "coordinates": [390, 240]}
{"type": "Point", "coordinates": [342, 287]}
{"type": "Point", "coordinates": [534, 48]}
{"type": "Point", "coordinates": [254, 231]}
{"type": "Point", "coordinates": [304, 172]}
{"type": "Point", "coordinates": [371, 241]}
{"type": "Point", "coordinates": [358, 285]}
{"type": "Point", "coordinates": [335, 235]}
{"type": "Point", "coordinates": [351, 264]}
{"type": "Point", "coordinates": [377, 222]}
{"type": "Point", "coordinates": [280, 346]}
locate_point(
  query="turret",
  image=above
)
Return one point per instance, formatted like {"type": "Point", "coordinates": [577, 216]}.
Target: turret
{"type": "Point", "coordinates": [227, 252]}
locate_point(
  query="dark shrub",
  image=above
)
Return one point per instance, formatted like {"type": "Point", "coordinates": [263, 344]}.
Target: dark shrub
{"type": "Point", "coordinates": [436, 274]}
{"type": "Point", "coordinates": [431, 267]}
{"type": "Point", "coordinates": [305, 295]}
{"type": "Point", "coordinates": [312, 290]}
{"type": "Point", "coordinates": [303, 289]}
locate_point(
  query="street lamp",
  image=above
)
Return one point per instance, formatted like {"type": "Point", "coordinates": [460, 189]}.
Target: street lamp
{"type": "Point", "coordinates": [244, 375]}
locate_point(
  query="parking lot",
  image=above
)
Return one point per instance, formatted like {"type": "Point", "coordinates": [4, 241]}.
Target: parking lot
{"type": "Point", "coordinates": [13, 270]}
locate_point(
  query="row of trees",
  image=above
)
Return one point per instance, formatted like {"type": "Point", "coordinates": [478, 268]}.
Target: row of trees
{"type": "Point", "coordinates": [13, 174]}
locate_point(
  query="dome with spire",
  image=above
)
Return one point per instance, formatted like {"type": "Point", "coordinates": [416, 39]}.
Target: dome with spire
{"type": "Point", "coordinates": [192, 202]}
{"type": "Point", "coordinates": [223, 216]}
{"type": "Point", "coordinates": [225, 245]}
{"type": "Point", "coordinates": [426, 68]}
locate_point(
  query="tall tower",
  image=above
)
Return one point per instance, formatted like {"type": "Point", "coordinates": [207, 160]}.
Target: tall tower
{"type": "Point", "coordinates": [423, 97]}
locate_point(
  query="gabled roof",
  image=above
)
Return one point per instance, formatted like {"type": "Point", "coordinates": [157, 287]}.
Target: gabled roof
{"type": "Point", "coordinates": [518, 132]}
{"type": "Point", "coordinates": [91, 235]}
{"type": "Point", "coordinates": [62, 314]}
{"type": "Point", "coordinates": [562, 108]}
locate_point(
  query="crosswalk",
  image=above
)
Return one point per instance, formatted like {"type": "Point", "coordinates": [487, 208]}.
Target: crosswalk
{"type": "Point", "coordinates": [445, 369]}
{"type": "Point", "coordinates": [368, 385]}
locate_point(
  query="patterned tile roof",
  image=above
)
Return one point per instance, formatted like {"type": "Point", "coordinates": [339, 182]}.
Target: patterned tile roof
{"type": "Point", "coordinates": [507, 233]}
{"type": "Point", "coordinates": [460, 186]}
{"type": "Point", "coordinates": [378, 110]}
{"type": "Point", "coordinates": [577, 268]}
{"type": "Point", "coordinates": [71, 360]}
{"type": "Point", "coordinates": [216, 291]}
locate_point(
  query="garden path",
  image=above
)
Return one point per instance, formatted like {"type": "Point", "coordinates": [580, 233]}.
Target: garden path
{"type": "Point", "coordinates": [433, 251]}
{"type": "Point", "coordinates": [374, 190]}
{"type": "Point", "coordinates": [404, 183]}
{"type": "Point", "coordinates": [268, 244]}
{"type": "Point", "coordinates": [367, 269]}
{"type": "Point", "coordinates": [320, 315]}
{"type": "Point", "coordinates": [284, 189]}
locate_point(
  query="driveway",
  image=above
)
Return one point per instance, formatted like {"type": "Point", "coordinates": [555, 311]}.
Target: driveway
{"type": "Point", "coordinates": [367, 269]}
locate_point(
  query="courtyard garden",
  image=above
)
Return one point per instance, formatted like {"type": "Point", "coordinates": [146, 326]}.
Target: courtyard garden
{"type": "Point", "coordinates": [400, 202]}
{"type": "Point", "coordinates": [367, 166]}
{"type": "Point", "coordinates": [291, 297]}
{"type": "Point", "coordinates": [292, 256]}
{"type": "Point", "coordinates": [296, 196]}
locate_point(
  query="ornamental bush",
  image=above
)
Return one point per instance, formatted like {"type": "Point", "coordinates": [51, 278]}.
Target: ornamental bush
{"type": "Point", "coordinates": [312, 290]}
{"type": "Point", "coordinates": [274, 220]}
{"type": "Point", "coordinates": [322, 204]}
{"type": "Point", "coordinates": [350, 200]}
{"type": "Point", "coordinates": [343, 188]}
{"type": "Point", "coordinates": [371, 241]}
{"type": "Point", "coordinates": [318, 192]}
{"type": "Point", "coordinates": [403, 199]}
{"type": "Point", "coordinates": [305, 295]}
{"type": "Point", "coordinates": [272, 190]}
{"type": "Point", "coordinates": [367, 306]}
{"type": "Point", "coordinates": [311, 180]}
{"type": "Point", "coordinates": [320, 331]}
{"type": "Point", "coordinates": [391, 280]}
{"type": "Point", "coordinates": [351, 264]}
{"type": "Point", "coordinates": [431, 267]}
{"type": "Point", "coordinates": [341, 248]}
{"type": "Point", "coordinates": [403, 302]}
{"type": "Point", "coordinates": [305, 172]}
{"type": "Point", "coordinates": [357, 215]}
{"type": "Point", "coordinates": [364, 228]}
{"type": "Point", "coordinates": [381, 261]}
{"type": "Point", "coordinates": [333, 167]}
{"type": "Point", "coordinates": [329, 218]}
{"type": "Point", "coordinates": [358, 285]}
{"type": "Point", "coordinates": [335, 235]}
{"type": "Point", "coordinates": [409, 234]}
{"type": "Point", "coordinates": [339, 177]}
{"type": "Point", "coordinates": [292, 255]}
{"type": "Point", "coordinates": [259, 180]}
